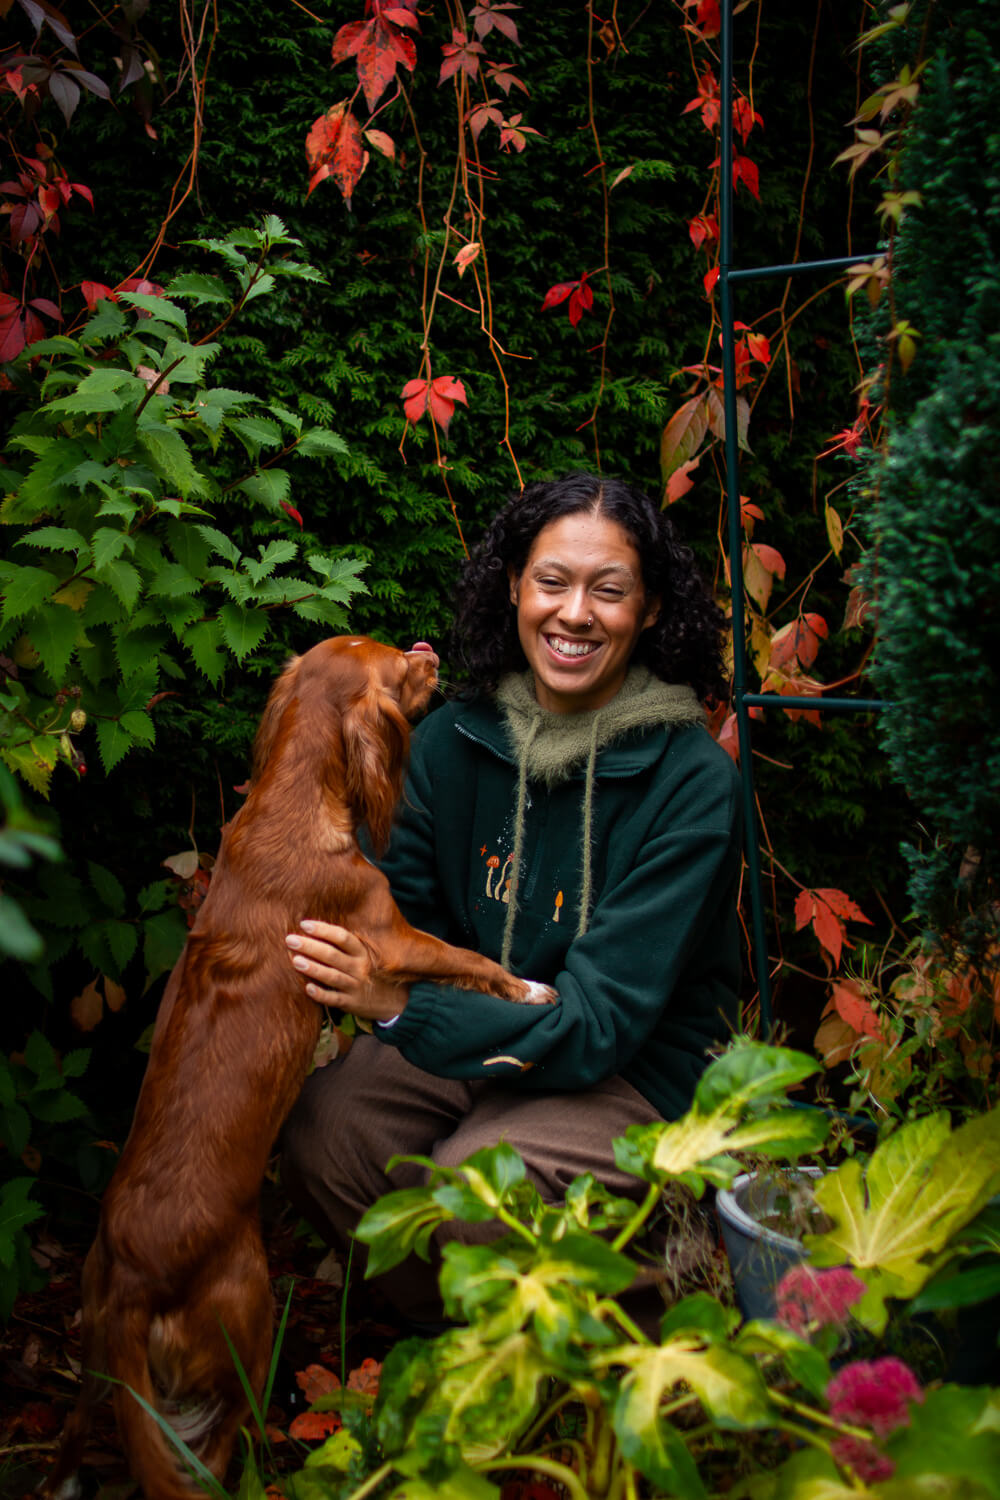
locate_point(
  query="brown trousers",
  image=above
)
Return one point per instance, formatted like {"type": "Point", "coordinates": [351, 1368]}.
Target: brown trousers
{"type": "Point", "coordinates": [370, 1105]}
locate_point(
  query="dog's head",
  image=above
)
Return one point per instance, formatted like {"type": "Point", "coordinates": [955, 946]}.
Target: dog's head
{"type": "Point", "coordinates": [360, 696]}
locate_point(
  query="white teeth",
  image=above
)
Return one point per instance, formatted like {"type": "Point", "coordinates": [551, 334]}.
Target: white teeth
{"type": "Point", "coordinates": [571, 648]}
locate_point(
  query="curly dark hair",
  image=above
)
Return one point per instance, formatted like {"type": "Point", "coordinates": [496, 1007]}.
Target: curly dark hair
{"type": "Point", "coordinates": [685, 643]}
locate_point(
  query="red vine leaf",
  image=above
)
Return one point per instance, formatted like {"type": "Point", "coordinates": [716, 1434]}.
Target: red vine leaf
{"type": "Point", "coordinates": [745, 117]}
{"type": "Point", "coordinates": [460, 53]}
{"type": "Point", "coordinates": [707, 20]}
{"type": "Point", "coordinates": [439, 395]}
{"type": "Point", "coordinates": [707, 100]}
{"type": "Point", "coordinates": [334, 149]}
{"type": "Point", "coordinates": [683, 435]}
{"type": "Point", "coordinates": [827, 910]}
{"type": "Point", "coordinates": [501, 75]}
{"type": "Point", "coordinates": [380, 45]}
{"type": "Point", "coordinates": [488, 13]}
{"type": "Point", "coordinates": [578, 293]}
{"type": "Point", "coordinates": [761, 565]}
{"type": "Point", "coordinates": [513, 133]}
{"type": "Point", "coordinates": [292, 512]}
{"type": "Point", "coordinates": [745, 171]}
{"type": "Point", "coordinates": [852, 1007]}
{"type": "Point", "coordinates": [703, 229]}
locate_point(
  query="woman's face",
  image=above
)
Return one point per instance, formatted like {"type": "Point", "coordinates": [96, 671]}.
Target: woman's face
{"type": "Point", "coordinates": [581, 608]}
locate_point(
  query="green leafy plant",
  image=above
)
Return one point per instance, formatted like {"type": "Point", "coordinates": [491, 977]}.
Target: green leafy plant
{"type": "Point", "coordinates": [545, 1376]}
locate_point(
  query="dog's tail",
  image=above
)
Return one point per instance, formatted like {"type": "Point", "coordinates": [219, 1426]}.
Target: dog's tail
{"type": "Point", "coordinates": [155, 1461]}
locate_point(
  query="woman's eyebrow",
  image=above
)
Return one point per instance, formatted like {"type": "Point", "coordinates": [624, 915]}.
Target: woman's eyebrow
{"type": "Point", "coordinates": [554, 562]}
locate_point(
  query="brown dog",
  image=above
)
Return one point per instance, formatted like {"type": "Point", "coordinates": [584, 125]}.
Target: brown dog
{"type": "Point", "coordinates": [178, 1256]}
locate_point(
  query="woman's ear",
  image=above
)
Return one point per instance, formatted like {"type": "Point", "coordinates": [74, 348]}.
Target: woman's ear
{"type": "Point", "coordinates": [514, 579]}
{"type": "Point", "coordinates": [652, 611]}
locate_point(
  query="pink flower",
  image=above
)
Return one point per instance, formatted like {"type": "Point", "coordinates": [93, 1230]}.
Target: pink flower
{"type": "Point", "coordinates": [806, 1296]}
{"type": "Point", "coordinates": [875, 1394]}
{"type": "Point", "coordinates": [863, 1458]}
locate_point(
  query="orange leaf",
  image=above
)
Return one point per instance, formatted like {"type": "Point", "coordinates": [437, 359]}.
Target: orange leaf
{"type": "Point", "coordinates": [315, 1424]}
{"type": "Point", "coordinates": [366, 1377]}
{"type": "Point", "coordinates": [842, 904]}
{"type": "Point", "coordinates": [334, 149]}
{"type": "Point", "coordinates": [683, 435]}
{"type": "Point", "coordinates": [315, 1381]}
{"type": "Point", "coordinates": [444, 392]}
{"type": "Point", "coordinates": [852, 1007]}
{"type": "Point", "coordinates": [87, 1008]}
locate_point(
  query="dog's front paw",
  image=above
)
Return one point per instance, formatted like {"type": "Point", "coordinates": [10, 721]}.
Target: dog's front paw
{"type": "Point", "coordinates": [538, 994]}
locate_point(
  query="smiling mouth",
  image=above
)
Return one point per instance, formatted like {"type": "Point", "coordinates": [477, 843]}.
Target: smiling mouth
{"type": "Point", "coordinates": [571, 648]}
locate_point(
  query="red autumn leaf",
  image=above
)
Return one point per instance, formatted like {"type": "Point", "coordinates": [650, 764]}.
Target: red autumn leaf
{"type": "Point", "coordinates": [706, 99]}
{"type": "Point", "coordinates": [96, 291]}
{"type": "Point", "coordinates": [142, 285]}
{"type": "Point", "coordinates": [707, 21]}
{"type": "Point", "coordinates": [380, 46]}
{"type": "Point", "coordinates": [488, 13]}
{"type": "Point", "coordinates": [842, 904]}
{"type": "Point", "coordinates": [460, 53]}
{"type": "Point", "coordinates": [501, 75]}
{"type": "Point", "coordinates": [514, 132]}
{"type": "Point", "coordinates": [292, 512]}
{"type": "Point", "coordinates": [729, 739]}
{"type": "Point", "coordinates": [709, 279]}
{"type": "Point", "coordinates": [827, 910]}
{"type": "Point", "coordinates": [439, 395]}
{"type": "Point", "coordinates": [860, 608]}
{"type": "Point", "coordinates": [759, 347]}
{"type": "Point", "coordinates": [798, 642]}
{"type": "Point", "coordinates": [314, 1425]}
{"type": "Point", "coordinates": [852, 1007]}
{"type": "Point", "coordinates": [745, 171]}
{"type": "Point", "coordinates": [745, 117]}
{"type": "Point", "coordinates": [749, 513]}
{"type": "Point", "coordinates": [578, 293]}
{"type": "Point", "coordinates": [683, 435]}
{"type": "Point", "coordinates": [680, 481]}
{"type": "Point", "coordinates": [334, 149]}
{"type": "Point", "coordinates": [366, 1377]}
{"type": "Point", "coordinates": [315, 1381]}
{"type": "Point", "coordinates": [581, 300]}
{"type": "Point", "coordinates": [703, 229]}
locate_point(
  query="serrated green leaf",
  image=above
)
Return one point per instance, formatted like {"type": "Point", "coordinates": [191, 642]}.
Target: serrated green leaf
{"type": "Point", "coordinates": [159, 308]}
{"type": "Point", "coordinates": [242, 629]}
{"type": "Point", "coordinates": [26, 590]}
{"type": "Point", "coordinates": [170, 456]}
{"type": "Point", "coordinates": [107, 322]}
{"type": "Point", "coordinates": [320, 442]}
{"type": "Point", "coordinates": [113, 741]}
{"type": "Point", "coordinates": [173, 579]}
{"type": "Point", "coordinates": [139, 725]}
{"type": "Point", "coordinates": [33, 762]}
{"type": "Point", "coordinates": [16, 1211]}
{"type": "Point", "coordinates": [255, 432]}
{"type": "Point", "coordinates": [55, 538]}
{"type": "Point", "coordinates": [268, 487]}
{"type": "Point", "coordinates": [109, 888]}
{"type": "Point", "coordinates": [15, 1128]}
{"type": "Point", "coordinates": [271, 557]}
{"type": "Point", "coordinates": [109, 543]}
{"type": "Point", "coordinates": [202, 288]}
{"type": "Point", "coordinates": [57, 1107]}
{"type": "Point", "coordinates": [54, 633]}
{"type": "Point", "coordinates": [205, 643]}
{"type": "Point", "coordinates": [219, 542]}
{"type": "Point", "coordinates": [124, 579]}
{"type": "Point", "coordinates": [163, 937]}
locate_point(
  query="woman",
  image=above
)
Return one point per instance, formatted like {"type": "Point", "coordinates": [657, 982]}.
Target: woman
{"type": "Point", "coordinates": [574, 821]}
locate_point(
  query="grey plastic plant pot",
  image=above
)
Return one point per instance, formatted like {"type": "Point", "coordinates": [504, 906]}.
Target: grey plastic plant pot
{"type": "Point", "coordinates": [758, 1256]}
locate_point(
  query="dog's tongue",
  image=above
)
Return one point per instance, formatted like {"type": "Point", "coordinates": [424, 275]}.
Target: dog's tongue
{"type": "Point", "coordinates": [422, 646]}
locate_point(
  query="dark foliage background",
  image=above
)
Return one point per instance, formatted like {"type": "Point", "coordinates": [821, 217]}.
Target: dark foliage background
{"type": "Point", "coordinates": [342, 352]}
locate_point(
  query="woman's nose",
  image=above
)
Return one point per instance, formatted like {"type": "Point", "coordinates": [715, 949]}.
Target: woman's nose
{"type": "Point", "coordinates": [576, 611]}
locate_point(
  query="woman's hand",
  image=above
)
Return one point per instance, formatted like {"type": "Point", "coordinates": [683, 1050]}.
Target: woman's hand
{"type": "Point", "coordinates": [339, 969]}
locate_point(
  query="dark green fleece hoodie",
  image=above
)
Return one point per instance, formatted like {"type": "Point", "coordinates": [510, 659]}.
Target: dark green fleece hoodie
{"type": "Point", "coordinates": [645, 960]}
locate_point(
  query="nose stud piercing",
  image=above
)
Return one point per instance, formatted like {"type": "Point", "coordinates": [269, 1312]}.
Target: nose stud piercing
{"type": "Point", "coordinates": [590, 621]}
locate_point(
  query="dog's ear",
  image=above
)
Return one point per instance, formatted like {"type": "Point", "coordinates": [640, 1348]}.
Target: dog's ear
{"type": "Point", "coordinates": [267, 731]}
{"type": "Point", "coordinates": [376, 741]}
